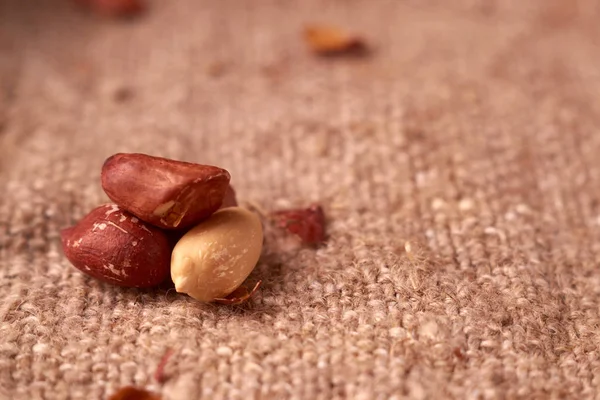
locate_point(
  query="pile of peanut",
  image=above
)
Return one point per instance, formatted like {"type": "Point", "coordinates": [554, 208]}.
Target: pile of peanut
{"type": "Point", "coordinates": [168, 218]}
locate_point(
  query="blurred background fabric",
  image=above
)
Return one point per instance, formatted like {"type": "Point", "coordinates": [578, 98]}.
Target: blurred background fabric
{"type": "Point", "coordinates": [469, 137]}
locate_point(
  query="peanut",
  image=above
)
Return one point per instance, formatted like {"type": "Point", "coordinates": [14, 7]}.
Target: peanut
{"type": "Point", "coordinates": [166, 193]}
{"type": "Point", "coordinates": [116, 247]}
{"type": "Point", "coordinates": [214, 258]}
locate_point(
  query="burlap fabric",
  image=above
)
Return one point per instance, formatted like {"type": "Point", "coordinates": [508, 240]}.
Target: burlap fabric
{"type": "Point", "coordinates": [470, 137]}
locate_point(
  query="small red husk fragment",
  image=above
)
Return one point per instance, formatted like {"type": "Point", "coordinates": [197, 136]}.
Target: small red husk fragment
{"type": "Point", "coordinates": [459, 353]}
{"type": "Point", "coordinates": [134, 393]}
{"type": "Point", "coordinates": [308, 223]}
{"type": "Point", "coordinates": [114, 8]}
{"type": "Point", "coordinates": [327, 40]}
{"type": "Point", "coordinates": [159, 374]}
{"type": "Point", "coordinates": [239, 295]}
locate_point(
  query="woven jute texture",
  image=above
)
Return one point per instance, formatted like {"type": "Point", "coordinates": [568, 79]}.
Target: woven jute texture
{"type": "Point", "coordinates": [458, 166]}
